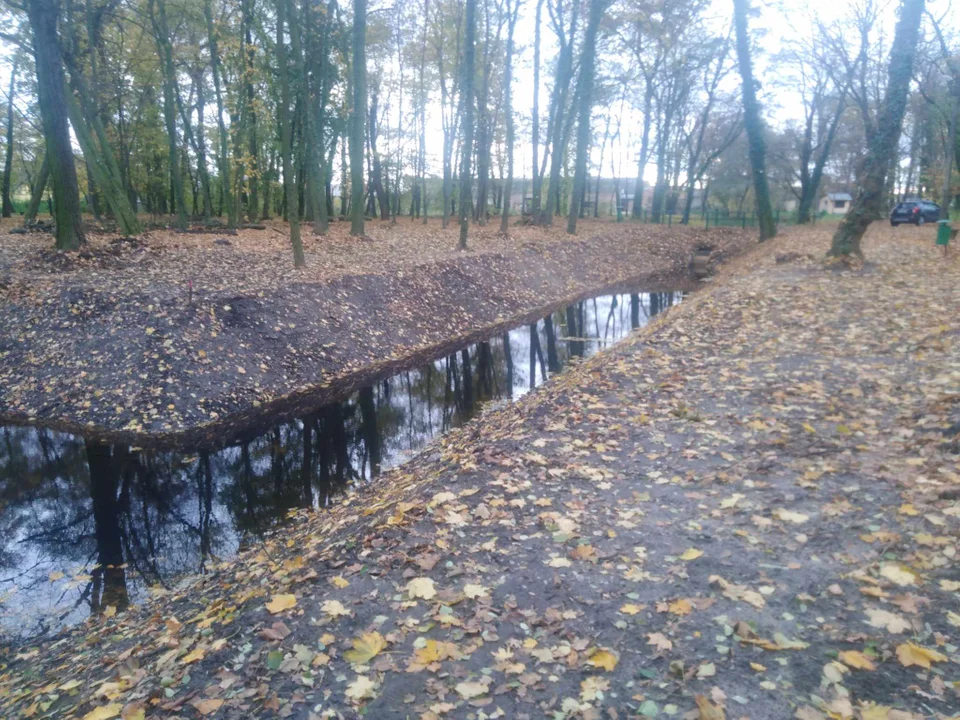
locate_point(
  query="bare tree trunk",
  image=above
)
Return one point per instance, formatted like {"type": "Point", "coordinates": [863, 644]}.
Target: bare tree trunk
{"type": "Point", "coordinates": [514, 12]}
{"type": "Point", "coordinates": [52, 96]}
{"type": "Point", "coordinates": [158, 16]}
{"type": "Point", "coordinates": [585, 95]}
{"type": "Point", "coordinates": [36, 194]}
{"type": "Point", "coordinates": [867, 205]}
{"type": "Point", "coordinates": [358, 114]}
{"type": "Point", "coordinates": [537, 180]}
{"type": "Point", "coordinates": [945, 195]}
{"type": "Point", "coordinates": [469, 62]}
{"type": "Point", "coordinates": [286, 138]}
{"type": "Point", "coordinates": [753, 124]}
{"type": "Point", "coordinates": [8, 158]}
{"type": "Point", "coordinates": [223, 159]}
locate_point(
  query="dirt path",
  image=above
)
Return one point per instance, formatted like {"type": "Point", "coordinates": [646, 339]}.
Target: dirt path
{"type": "Point", "coordinates": [174, 340]}
{"type": "Point", "coordinates": [748, 511]}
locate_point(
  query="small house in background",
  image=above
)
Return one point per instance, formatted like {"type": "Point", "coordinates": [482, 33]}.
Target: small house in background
{"type": "Point", "coordinates": [836, 203]}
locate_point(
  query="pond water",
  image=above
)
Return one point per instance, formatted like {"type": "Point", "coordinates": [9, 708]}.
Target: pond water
{"type": "Point", "coordinates": [85, 526]}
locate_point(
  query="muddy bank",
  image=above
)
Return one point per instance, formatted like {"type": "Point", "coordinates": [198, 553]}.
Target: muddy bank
{"type": "Point", "coordinates": [130, 349]}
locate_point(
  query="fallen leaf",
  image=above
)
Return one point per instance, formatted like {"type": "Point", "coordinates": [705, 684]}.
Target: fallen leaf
{"type": "Point", "coordinates": [856, 659]}
{"type": "Point", "coordinates": [631, 609]}
{"type": "Point", "coordinates": [208, 706]}
{"type": "Point", "coordinates": [421, 588]}
{"type": "Point", "coordinates": [365, 648]}
{"type": "Point", "coordinates": [469, 690]}
{"type": "Point", "coordinates": [194, 656]}
{"type": "Point", "coordinates": [603, 658]}
{"type": "Point", "coordinates": [281, 603]}
{"type": "Point", "coordinates": [361, 689]}
{"type": "Point", "coordinates": [339, 581]}
{"type": "Point", "coordinates": [910, 654]}
{"type": "Point", "coordinates": [790, 516]}
{"type": "Point", "coordinates": [885, 619]}
{"type": "Point", "coordinates": [898, 574]}
{"type": "Point", "coordinates": [104, 712]}
{"type": "Point", "coordinates": [691, 554]}
{"type": "Point", "coordinates": [559, 562]}
{"type": "Point", "coordinates": [709, 711]}
{"type": "Point", "coordinates": [475, 591]}
{"type": "Point", "coordinates": [660, 641]}
{"type": "Point", "coordinates": [333, 608]}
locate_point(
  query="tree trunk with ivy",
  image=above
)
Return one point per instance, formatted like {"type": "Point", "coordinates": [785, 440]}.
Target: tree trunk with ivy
{"type": "Point", "coordinates": [868, 203]}
{"type": "Point", "coordinates": [753, 124]}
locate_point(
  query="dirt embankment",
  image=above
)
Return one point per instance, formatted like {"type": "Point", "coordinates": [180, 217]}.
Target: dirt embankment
{"type": "Point", "coordinates": [174, 340]}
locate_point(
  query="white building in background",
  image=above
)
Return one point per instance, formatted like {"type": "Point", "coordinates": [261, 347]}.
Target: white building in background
{"type": "Point", "coordinates": [835, 203]}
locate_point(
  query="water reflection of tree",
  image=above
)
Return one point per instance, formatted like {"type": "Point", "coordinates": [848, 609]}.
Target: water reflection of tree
{"type": "Point", "coordinates": [134, 517]}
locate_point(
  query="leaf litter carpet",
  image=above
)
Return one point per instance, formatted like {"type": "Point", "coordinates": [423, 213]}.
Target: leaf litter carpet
{"type": "Point", "coordinates": [748, 510]}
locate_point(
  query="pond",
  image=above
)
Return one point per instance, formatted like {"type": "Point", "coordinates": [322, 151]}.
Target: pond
{"type": "Point", "coordinates": [86, 526]}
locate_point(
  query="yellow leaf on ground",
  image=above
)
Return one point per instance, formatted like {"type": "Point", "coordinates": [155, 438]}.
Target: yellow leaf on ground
{"type": "Point", "coordinates": [421, 588]}
{"type": "Point", "coordinates": [856, 659]}
{"type": "Point", "coordinates": [875, 712]}
{"type": "Point", "coordinates": [469, 690]}
{"type": "Point", "coordinates": [194, 656]}
{"type": "Point", "coordinates": [281, 603]}
{"type": "Point", "coordinates": [910, 654]}
{"type": "Point", "coordinates": [631, 609]}
{"type": "Point", "coordinates": [660, 641]}
{"type": "Point", "coordinates": [709, 711]}
{"type": "Point", "coordinates": [105, 712]}
{"type": "Point", "coordinates": [365, 648]}
{"type": "Point", "coordinates": [559, 562]}
{"type": "Point", "coordinates": [603, 658]}
{"type": "Point", "coordinates": [680, 607]}
{"type": "Point", "coordinates": [333, 608]}
{"type": "Point", "coordinates": [891, 621]}
{"type": "Point", "coordinates": [691, 554]}
{"type": "Point", "coordinates": [208, 706]}
{"type": "Point", "coordinates": [339, 581]}
{"type": "Point", "coordinates": [475, 591]}
{"type": "Point", "coordinates": [361, 689]}
{"type": "Point", "coordinates": [898, 574]}
{"type": "Point", "coordinates": [790, 516]}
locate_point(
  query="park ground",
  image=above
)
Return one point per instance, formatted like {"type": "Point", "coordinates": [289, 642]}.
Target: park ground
{"type": "Point", "coordinates": [749, 509]}
{"type": "Point", "coordinates": [184, 338]}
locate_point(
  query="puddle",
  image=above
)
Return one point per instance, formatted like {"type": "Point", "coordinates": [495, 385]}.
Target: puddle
{"type": "Point", "coordinates": [86, 526]}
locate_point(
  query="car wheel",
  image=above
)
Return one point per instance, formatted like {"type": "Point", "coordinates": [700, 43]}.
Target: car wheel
{"type": "Point", "coordinates": [920, 220]}
{"type": "Point", "coordinates": [894, 224]}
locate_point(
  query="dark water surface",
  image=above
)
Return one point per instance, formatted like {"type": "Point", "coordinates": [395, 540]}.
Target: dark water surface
{"type": "Point", "coordinates": [86, 526]}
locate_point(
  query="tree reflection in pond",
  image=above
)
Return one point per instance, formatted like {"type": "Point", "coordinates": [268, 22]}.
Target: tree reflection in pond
{"type": "Point", "coordinates": [85, 527]}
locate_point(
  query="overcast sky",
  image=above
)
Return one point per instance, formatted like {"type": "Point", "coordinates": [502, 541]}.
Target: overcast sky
{"type": "Point", "coordinates": [780, 22]}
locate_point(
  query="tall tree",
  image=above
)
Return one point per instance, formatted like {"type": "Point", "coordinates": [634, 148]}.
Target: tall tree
{"type": "Point", "coordinates": [286, 137]}
{"type": "Point", "coordinates": [466, 95]}
{"type": "Point", "coordinates": [223, 157]}
{"type": "Point", "coordinates": [51, 93]}
{"type": "Point", "coordinates": [868, 203]}
{"type": "Point", "coordinates": [588, 57]}
{"type": "Point", "coordinates": [8, 155]}
{"type": "Point", "coordinates": [161, 33]}
{"type": "Point", "coordinates": [357, 115]}
{"type": "Point", "coordinates": [753, 124]}
{"type": "Point", "coordinates": [513, 11]}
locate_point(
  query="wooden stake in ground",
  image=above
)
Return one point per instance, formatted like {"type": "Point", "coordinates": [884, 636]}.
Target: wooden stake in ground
{"type": "Point", "coordinates": [753, 124]}
{"type": "Point", "coordinates": [868, 204]}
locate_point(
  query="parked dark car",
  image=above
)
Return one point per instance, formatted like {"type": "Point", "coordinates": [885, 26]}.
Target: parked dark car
{"type": "Point", "coordinates": [917, 212]}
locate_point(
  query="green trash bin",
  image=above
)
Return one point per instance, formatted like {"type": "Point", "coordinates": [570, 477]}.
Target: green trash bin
{"type": "Point", "coordinates": [944, 231]}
